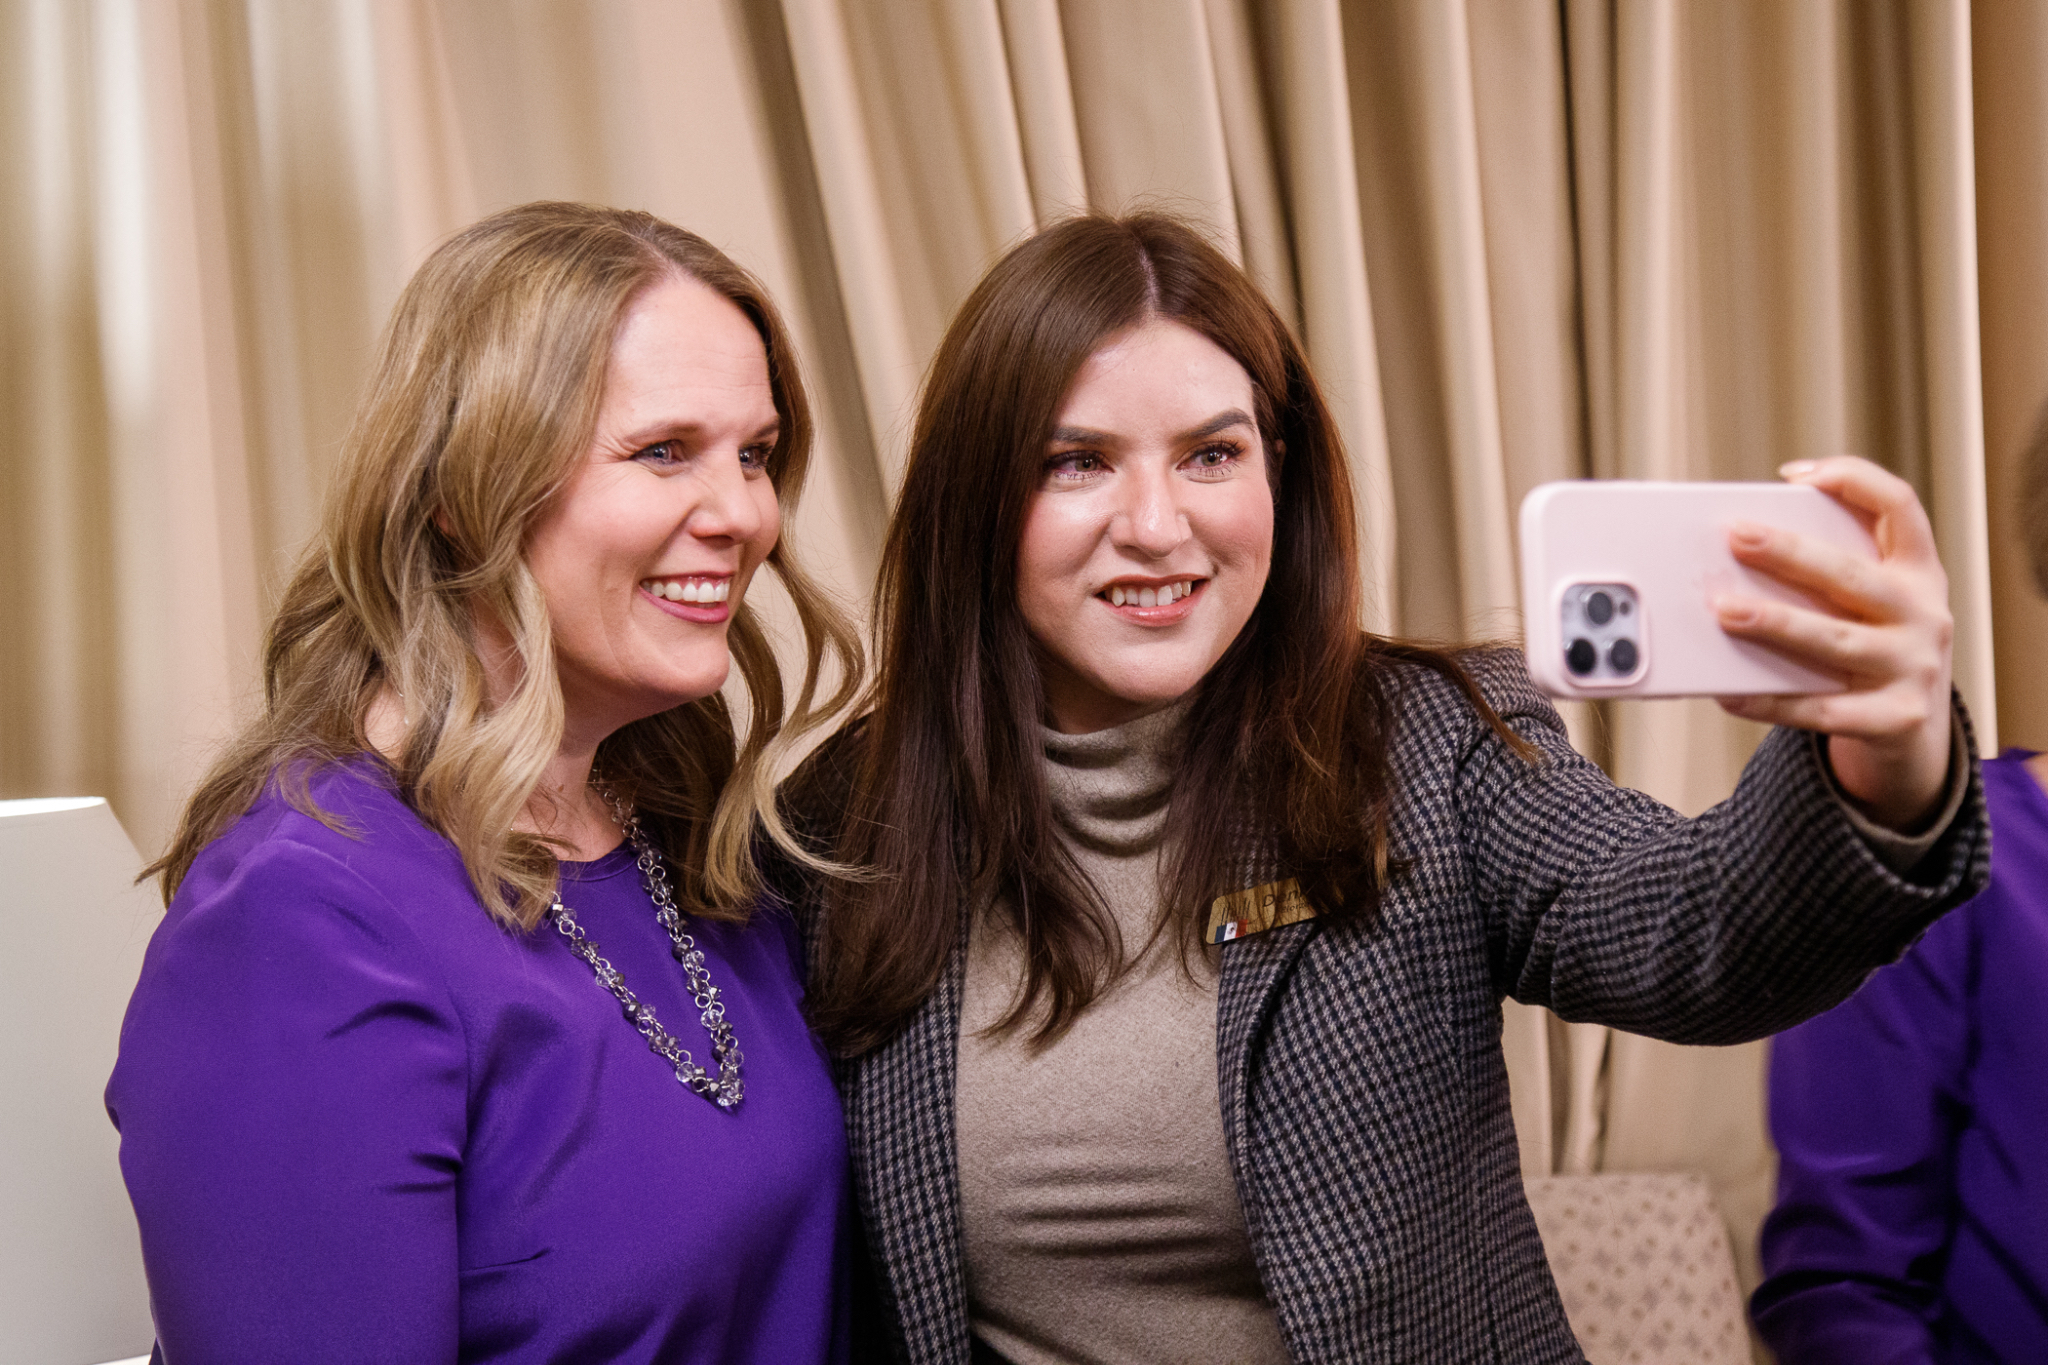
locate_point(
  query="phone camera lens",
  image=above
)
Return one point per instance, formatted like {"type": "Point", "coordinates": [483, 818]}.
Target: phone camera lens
{"type": "Point", "coordinates": [1599, 608]}
{"type": "Point", "coordinates": [1623, 656]}
{"type": "Point", "coordinates": [1580, 656]}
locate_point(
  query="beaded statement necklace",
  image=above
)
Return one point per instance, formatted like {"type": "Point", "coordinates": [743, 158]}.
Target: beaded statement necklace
{"type": "Point", "coordinates": [725, 1089]}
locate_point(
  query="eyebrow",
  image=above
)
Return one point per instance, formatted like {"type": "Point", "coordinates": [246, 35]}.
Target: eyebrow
{"type": "Point", "coordinates": [1222, 421]}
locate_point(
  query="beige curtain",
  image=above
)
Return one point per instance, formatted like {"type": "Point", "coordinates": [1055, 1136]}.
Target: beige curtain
{"type": "Point", "coordinates": [1522, 240]}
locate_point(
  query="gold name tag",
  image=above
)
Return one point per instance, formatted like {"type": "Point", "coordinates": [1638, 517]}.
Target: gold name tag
{"type": "Point", "coordinates": [1256, 910]}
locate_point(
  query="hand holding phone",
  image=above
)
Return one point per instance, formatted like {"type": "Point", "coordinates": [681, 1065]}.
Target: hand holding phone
{"type": "Point", "coordinates": [1888, 634]}
{"type": "Point", "coordinates": [1817, 628]}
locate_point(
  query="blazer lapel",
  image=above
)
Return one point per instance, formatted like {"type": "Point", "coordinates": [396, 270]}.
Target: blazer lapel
{"type": "Point", "coordinates": [900, 1122]}
{"type": "Point", "coordinates": [1254, 967]}
{"type": "Point", "coordinates": [1254, 970]}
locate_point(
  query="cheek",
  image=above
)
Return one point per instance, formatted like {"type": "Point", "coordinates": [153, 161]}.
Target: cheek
{"type": "Point", "coordinates": [1058, 536]}
{"type": "Point", "coordinates": [552, 559]}
{"type": "Point", "coordinates": [770, 509]}
{"type": "Point", "coordinates": [1240, 531]}
{"type": "Point", "coordinates": [1051, 551]}
{"type": "Point", "coordinates": [1038, 602]}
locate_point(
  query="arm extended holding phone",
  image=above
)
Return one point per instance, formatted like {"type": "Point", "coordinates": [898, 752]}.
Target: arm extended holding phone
{"type": "Point", "coordinates": [1820, 603]}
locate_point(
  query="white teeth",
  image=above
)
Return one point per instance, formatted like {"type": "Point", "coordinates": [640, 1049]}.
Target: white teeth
{"type": "Point", "coordinates": [701, 590]}
{"type": "Point", "coordinates": [1163, 596]}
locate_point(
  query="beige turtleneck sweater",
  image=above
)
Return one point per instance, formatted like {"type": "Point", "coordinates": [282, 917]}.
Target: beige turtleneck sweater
{"type": "Point", "coordinates": [1100, 1218]}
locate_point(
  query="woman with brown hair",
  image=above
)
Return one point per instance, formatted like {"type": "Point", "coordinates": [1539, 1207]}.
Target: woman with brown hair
{"type": "Point", "coordinates": [1162, 915]}
{"type": "Point", "coordinates": [376, 1099]}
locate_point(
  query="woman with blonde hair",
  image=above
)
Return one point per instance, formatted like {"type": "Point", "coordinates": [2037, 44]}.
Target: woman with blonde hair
{"type": "Point", "coordinates": [1169, 970]}
{"type": "Point", "coordinates": [376, 1097]}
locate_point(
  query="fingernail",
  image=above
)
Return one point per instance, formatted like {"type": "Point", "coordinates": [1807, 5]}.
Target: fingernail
{"type": "Point", "coordinates": [1794, 469]}
{"type": "Point", "coordinates": [1733, 611]}
{"type": "Point", "coordinates": [1747, 535]}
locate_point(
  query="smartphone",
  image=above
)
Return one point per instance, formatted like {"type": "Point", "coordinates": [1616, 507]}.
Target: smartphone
{"type": "Point", "coordinates": [1618, 580]}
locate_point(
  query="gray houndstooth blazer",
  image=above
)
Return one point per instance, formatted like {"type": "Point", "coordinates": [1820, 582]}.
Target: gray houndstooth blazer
{"type": "Point", "coordinates": [1364, 1095]}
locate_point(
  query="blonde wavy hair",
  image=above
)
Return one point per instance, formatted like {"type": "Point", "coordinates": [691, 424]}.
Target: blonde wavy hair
{"type": "Point", "coordinates": [483, 398]}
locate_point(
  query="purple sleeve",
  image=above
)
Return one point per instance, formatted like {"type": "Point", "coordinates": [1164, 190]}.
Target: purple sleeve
{"type": "Point", "coordinates": [1865, 1112]}
{"type": "Point", "coordinates": [291, 1098]}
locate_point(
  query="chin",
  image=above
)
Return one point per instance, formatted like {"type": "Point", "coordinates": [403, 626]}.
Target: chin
{"type": "Point", "coordinates": [698, 691]}
{"type": "Point", "coordinates": [674, 692]}
{"type": "Point", "coordinates": [1151, 690]}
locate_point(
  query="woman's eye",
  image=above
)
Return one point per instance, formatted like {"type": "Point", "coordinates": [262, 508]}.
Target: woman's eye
{"type": "Point", "coordinates": [754, 458]}
{"type": "Point", "coordinates": [1215, 457]}
{"type": "Point", "coordinates": [1075, 464]}
{"type": "Point", "coordinates": [660, 453]}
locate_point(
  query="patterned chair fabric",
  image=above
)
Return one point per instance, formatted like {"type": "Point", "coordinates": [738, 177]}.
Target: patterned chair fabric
{"type": "Point", "coordinates": [1644, 1267]}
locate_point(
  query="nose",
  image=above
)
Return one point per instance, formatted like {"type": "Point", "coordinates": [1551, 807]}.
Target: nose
{"type": "Point", "coordinates": [726, 508]}
{"type": "Point", "coordinates": [1150, 521]}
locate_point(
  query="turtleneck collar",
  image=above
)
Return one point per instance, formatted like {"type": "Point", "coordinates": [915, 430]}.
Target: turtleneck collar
{"type": "Point", "coordinates": [1110, 788]}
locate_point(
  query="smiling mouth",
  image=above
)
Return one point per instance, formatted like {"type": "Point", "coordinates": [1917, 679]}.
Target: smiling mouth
{"type": "Point", "coordinates": [700, 589]}
{"type": "Point", "coordinates": [1149, 594]}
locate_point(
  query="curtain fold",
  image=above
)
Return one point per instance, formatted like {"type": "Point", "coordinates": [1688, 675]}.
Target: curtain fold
{"type": "Point", "coordinates": [1035, 52]}
{"type": "Point", "coordinates": [857, 224]}
{"type": "Point", "coordinates": [1520, 239]}
{"type": "Point", "coordinates": [1944, 164]}
{"type": "Point", "coordinates": [57, 711]}
{"type": "Point", "coordinates": [1332, 298]}
{"type": "Point", "coordinates": [1439, 52]}
{"type": "Point", "coordinates": [2009, 53]}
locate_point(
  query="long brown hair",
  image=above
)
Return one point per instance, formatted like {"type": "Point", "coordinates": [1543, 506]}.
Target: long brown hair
{"type": "Point", "coordinates": [483, 398]}
{"type": "Point", "coordinates": [945, 803]}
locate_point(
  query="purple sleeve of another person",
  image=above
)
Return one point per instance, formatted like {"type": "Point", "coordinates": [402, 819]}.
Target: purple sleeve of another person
{"type": "Point", "coordinates": [1864, 1114]}
{"type": "Point", "coordinates": [1912, 1128]}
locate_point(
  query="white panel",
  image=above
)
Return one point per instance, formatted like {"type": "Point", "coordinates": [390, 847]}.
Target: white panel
{"type": "Point", "coordinates": [74, 924]}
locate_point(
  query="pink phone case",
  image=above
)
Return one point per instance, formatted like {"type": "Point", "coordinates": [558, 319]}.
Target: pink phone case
{"type": "Point", "coordinates": [1668, 543]}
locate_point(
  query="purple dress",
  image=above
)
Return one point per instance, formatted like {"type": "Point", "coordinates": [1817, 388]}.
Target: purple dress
{"type": "Point", "coordinates": [360, 1121]}
{"type": "Point", "coordinates": [1912, 1124]}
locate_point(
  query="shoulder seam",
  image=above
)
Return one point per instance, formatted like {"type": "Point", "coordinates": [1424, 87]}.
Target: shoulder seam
{"type": "Point", "coordinates": [369, 888]}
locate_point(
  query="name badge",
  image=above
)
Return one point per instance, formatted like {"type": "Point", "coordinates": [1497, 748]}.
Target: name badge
{"type": "Point", "coordinates": [1253, 911]}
